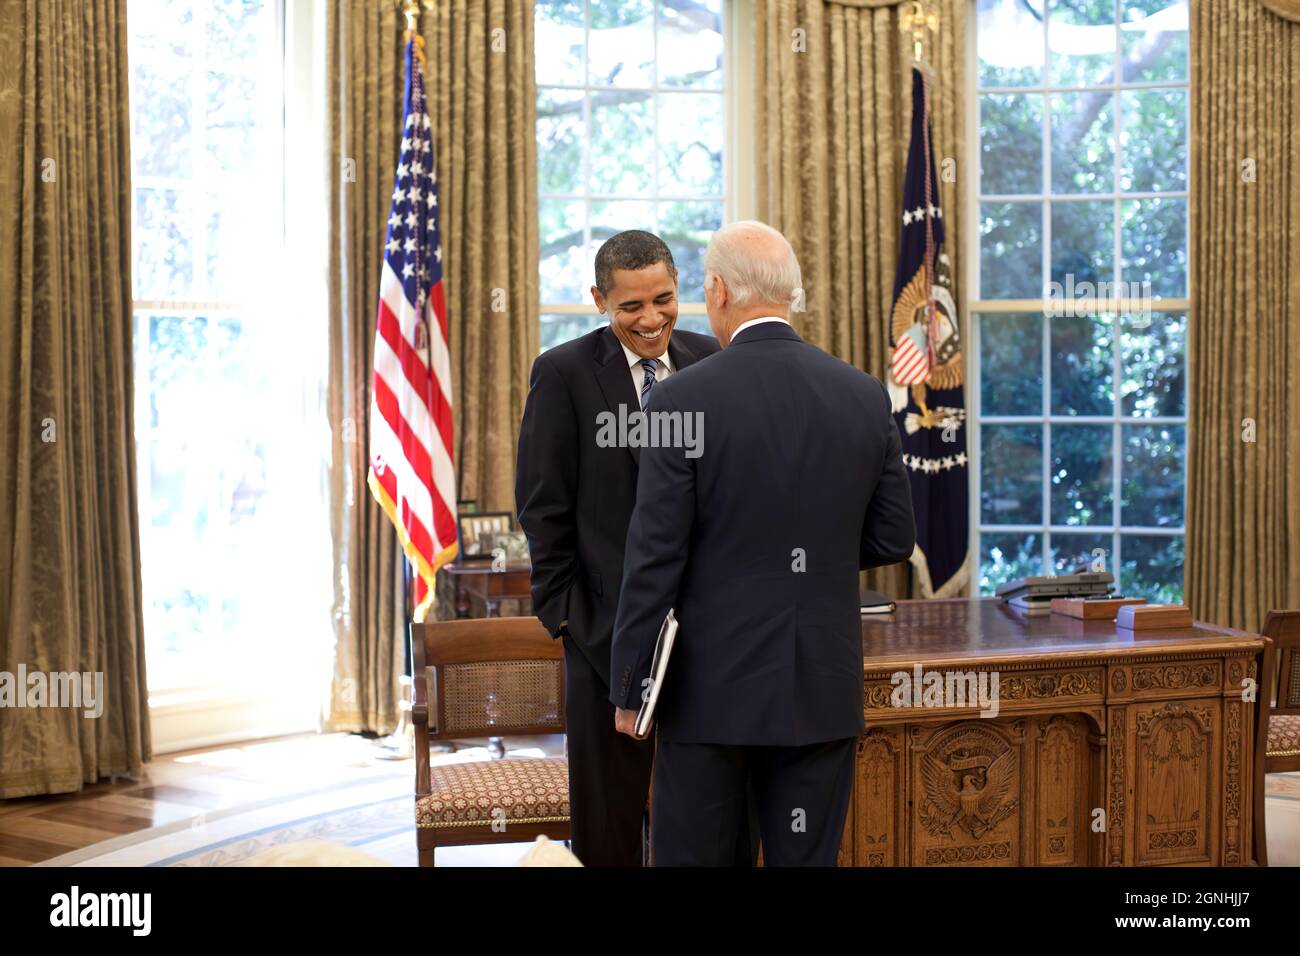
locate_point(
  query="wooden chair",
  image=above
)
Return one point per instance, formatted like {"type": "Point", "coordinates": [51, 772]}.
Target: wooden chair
{"type": "Point", "coordinates": [491, 677]}
{"type": "Point", "coordinates": [1277, 731]}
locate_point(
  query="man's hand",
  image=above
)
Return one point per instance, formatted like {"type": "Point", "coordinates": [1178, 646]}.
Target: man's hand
{"type": "Point", "coordinates": [625, 721]}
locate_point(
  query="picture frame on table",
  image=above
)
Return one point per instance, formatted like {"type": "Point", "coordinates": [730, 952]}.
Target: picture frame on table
{"type": "Point", "coordinates": [475, 529]}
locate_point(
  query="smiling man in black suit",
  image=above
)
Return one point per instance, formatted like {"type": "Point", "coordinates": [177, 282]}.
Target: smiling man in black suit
{"type": "Point", "coordinates": [757, 544]}
{"type": "Point", "coordinates": [574, 494]}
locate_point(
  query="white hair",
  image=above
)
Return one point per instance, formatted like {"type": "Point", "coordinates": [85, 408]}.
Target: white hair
{"type": "Point", "coordinates": [753, 276]}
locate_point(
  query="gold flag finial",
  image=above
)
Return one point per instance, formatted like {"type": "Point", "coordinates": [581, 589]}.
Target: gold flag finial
{"type": "Point", "coordinates": [411, 10]}
{"type": "Point", "coordinates": [916, 21]}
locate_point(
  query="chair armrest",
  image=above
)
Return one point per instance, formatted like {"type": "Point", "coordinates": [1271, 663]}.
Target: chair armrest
{"type": "Point", "coordinates": [420, 710]}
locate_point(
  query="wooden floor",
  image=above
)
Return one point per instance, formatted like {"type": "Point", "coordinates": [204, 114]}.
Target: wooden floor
{"type": "Point", "coordinates": [185, 787]}
{"type": "Point", "coordinates": [188, 787]}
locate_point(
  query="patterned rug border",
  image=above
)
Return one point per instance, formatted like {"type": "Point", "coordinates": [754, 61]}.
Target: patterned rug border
{"type": "Point", "coordinates": [252, 835]}
{"type": "Point", "coordinates": [127, 840]}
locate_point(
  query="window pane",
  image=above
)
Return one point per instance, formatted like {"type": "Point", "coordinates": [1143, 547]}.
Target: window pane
{"type": "Point", "coordinates": [232, 249]}
{"type": "Point", "coordinates": [1102, 141]}
{"type": "Point", "coordinates": [1155, 365]}
{"type": "Point", "coordinates": [219, 408]}
{"type": "Point", "coordinates": [1082, 484]}
{"type": "Point", "coordinates": [1083, 142]}
{"type": "Point", "coordinates": [1081, 42]}
{"type": "Point", "coordinates": [1152, 567]}
{"type": "Point", "coordinates": [560, 141]}
{"type": "Point", "coordinates": [1010, 44]}
{"type": "Point", "coordinates": [607, 218]}
{"type": "Point", "coordinates": [563, 256]}
{"type": "Point", "coordinates": [162, 26]}
{"type": "Point", "coordinates": [177, 604]}
{"type": "Point", "coordinates": [1011, 143]}
{"type": "Point", "coordinates": [1011, 250]}
{"type": "Point", "coordinates": [1154, 37]}
{"type": "Point", "coordinates": [1068, 552]}
{"type": "Point", "coordinates": [1154, 154]}
{"type": "Point", "coordinates": [690, 44]}
{"type": "Point", "coordinates": [1083, 365]}
{"type": "Point", "coordinates": [558, 29]}
{"type": "Point", "coordinates": [622, 43]}
{"type": "Point", "coordinates": [164, 236]}
{"type": "Point", "coordinates": [177, 371]}
{"type": "Point", "coordinates": [690, 149]}
{"type": "Point", "coordinates": [1011, 480]}
{"type": "Point", "coordinates": [239, 454]}
{"type": "Point", "coordinates": [641, 158]}
{"type": "Point", "coordinates": [694, 323]}
{"type": "Point", "coordinates": [622, 144]}
{"type": "Point", "coordinates": [1007, 556]}
{"type": "Point", "coordinates": [160, 114]}
{"type": "Point", "coordinates": [687, 227]}
{"type": "Point", "coordinates": [611, 216]}
{"type": "Point", "coordinates": [1083, 243]}
{"type": "Point", "coordinates": [1154, 245]}
{"type": "Point", "coordinates": [557, 329]}
{"type": "Point", "coordinates": [235, 30]}
{"type": "Point", "coordinates": [1154, 460]}
{"type": "Point", "coordinates": [1011, 364]}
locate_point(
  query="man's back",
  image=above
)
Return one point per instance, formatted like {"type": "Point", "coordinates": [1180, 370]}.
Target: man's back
{"type": "Point", "coordinates": [795, 444]}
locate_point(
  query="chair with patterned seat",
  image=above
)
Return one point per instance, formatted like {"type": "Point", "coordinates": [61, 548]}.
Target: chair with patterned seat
{"type": "Point", "coordinates": [493, 677]}
{"type": "Point", "coordinates": [1277, 746]}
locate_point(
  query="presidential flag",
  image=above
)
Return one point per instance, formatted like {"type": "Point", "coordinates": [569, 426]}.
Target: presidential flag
{"type": "Point", "coordinates": [926, 371]}
{"type": "Point", "coordinates": [412, 473]}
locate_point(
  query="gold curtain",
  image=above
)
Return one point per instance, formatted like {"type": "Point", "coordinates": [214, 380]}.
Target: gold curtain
{"type": "Point", "coordinates": [834, 107]}
{"type": "Point", "coordinates": [70, 598]}
{"type": "Point", "coordinates": [482, 103]}
{"type": "Point", "coordinates": [1243, 493]}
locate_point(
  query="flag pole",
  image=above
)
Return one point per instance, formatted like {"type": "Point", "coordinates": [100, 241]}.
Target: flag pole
{"type": "Point", "coordinates": [399, 745]}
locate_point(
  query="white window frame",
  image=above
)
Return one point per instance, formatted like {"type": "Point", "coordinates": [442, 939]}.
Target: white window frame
{"type": "Point", "coordinates": [977, 307]}
{"type": "Point", "coordinates": [214, 712]}
{"type": "Point", "coordinates": [738, 189]}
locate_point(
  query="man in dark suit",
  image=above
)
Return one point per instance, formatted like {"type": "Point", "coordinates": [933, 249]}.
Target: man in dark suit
{"type": "Point", "coordinates": [756, 543]}
{"type": "Point", "coordinates": [574, 494]}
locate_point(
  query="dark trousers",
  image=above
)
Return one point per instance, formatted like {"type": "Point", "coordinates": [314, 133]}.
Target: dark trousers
{"type": "Point", "coordinates": [801, 795]}
{"type": "Point", "coordinates": [609, 772]}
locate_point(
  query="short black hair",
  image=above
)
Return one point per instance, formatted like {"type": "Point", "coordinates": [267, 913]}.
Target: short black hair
{"type": "Point", "coordinates": [633, 249]}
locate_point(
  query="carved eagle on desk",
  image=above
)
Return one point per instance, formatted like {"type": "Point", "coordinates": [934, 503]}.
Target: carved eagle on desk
{"type": "Point", "coordinates": [967, 791]}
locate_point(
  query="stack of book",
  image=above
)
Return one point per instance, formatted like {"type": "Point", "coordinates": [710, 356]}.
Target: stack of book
{"type": "Point", "coordinates": [1035, 594]}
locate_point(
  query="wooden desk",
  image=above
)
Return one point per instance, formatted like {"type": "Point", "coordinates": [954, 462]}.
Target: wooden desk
{"type": "Point", "coordinates": [1109, 747]}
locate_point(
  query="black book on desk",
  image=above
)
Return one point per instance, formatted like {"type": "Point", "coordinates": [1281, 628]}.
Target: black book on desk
{"type": "Point", "coordinates": [873, 602]}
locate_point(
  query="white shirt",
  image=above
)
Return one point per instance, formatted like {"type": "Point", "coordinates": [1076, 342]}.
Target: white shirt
{"type": "Point", "coordinates": [663, 368]}
{"type": "Point", "coordinates": [744, 325]}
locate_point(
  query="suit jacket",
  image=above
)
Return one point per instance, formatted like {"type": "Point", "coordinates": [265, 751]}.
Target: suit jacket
{"type": "Point", "coordinates": [574, 498]}
{"type": "Point", "coordinates": [757, 544]}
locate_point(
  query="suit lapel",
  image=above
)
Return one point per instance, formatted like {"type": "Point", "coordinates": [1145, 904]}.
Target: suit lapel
{"type": "Point", "coordinates": [615, 380]}
{"type": "Point", "coordinates": [680, 353]}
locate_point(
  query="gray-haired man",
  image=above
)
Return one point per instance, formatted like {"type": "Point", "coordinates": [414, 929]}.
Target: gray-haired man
{"type": "Point", "coordinates": [757, 544]}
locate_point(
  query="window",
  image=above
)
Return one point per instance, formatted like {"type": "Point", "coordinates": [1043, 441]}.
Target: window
{"type": "Point", "coordinates": [1080, 300]}
{"type": "Point", "coordinates": [630, 132]}
{"type": "Point", "coordinates": [226, 358]}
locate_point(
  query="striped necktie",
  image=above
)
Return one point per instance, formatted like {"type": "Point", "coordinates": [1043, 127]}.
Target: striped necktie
{"type": "Point", "coordinates": [649, 382]}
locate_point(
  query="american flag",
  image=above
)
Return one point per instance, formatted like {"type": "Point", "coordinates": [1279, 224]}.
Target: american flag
{"type": "Point", "coordinates": [412, 464]}
{"type": "Point", "coordinates": [911, 362]}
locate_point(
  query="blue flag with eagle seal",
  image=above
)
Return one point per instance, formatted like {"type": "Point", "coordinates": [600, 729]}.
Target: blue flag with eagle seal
{"type": "Point", "coordinates": [926, 371]}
